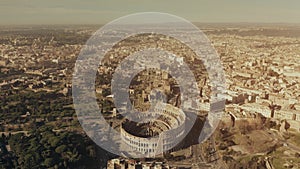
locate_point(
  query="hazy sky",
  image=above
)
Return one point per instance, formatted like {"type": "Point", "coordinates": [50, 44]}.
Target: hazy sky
{"type": "Point", "coordinates": [103, 11]}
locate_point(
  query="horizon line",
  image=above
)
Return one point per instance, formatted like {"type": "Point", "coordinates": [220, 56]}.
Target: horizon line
{"type": "Point", "coordinates": [194, 22]}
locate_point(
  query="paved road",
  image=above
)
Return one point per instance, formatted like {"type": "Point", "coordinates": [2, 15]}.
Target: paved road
{"type": "Point", "coordinates": [198, 160]}
{"type": "Point", "coordinates": [215, 155]}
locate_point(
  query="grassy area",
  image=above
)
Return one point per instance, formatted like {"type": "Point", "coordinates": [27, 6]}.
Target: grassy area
{"type": "Point", "coordinates": [247, 159]}
{"type": "Point", "coordinates": [280, 158]}
{"type": "Point", "coordinates": [295, 138]}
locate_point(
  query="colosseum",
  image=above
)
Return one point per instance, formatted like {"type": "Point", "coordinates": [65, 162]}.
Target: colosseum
{"type": "Point", "coordinates": [160, 134]}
